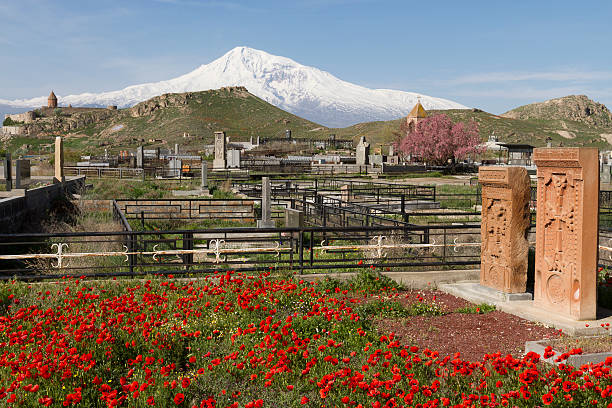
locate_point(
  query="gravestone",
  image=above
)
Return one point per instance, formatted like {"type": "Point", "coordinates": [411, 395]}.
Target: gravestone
{"type": "Point", "coordinates": [393, 160]}
{"type": "Point", "coordinates": [22, 173]}
{"type": "Point", "coordinates": [266, 205]}
{"type": "Point", "coordinates": [294, 218]}
{"type": "Point", "coordinates": [363, 152]}
{"type": "Point", "coordinates": [204, 179]}
{"type": "Point", "coordinates": [176, 149]}
{"type": "Point", "coordinates": [175, 166]}
{"type": "Point", "coordinates": [7, 170]}
{"type": "Point", "coordinates": [376, 159]}
{"type": "Point", "coordinates": [59, 160]}
{"type": "Point", "coordinates": [233, 159]}
{"type": "Point", "coordinates": [345, 193]}
{"type": "Point", "coordinates": [606, 170]}
{"type": "Point", "coordinates": [505, 220]}
{"type": "Point", "coordinates": [219, 163]}
{"type": "Point", "coordinates": [140, 157]}
{"type": "Point", "coordinates": [567, 231]}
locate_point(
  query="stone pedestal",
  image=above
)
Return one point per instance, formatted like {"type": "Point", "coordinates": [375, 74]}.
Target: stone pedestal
{"type": "Point", "coordinates": [59, 160]}
{"type": "Point", "coordinates": [567, 231]}
{"type": "Point", "coordinates": [505, 220]}
{"type": "Point", "coordinates": [363, 152]}
{"type": "Point", "coordinates": [220, 162]}
{"type": "Point", "coordinates": [266, 205]}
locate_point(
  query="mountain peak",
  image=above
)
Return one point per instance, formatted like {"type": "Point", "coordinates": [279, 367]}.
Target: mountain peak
{"type": "Point", "coordinates": [302, 90]}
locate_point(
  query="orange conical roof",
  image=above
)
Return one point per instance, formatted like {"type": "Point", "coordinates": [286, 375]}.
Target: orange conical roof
{"type": "Point", "coordinates": [418, 111]}
{"type": "Point", "coordinates": [52, 95]}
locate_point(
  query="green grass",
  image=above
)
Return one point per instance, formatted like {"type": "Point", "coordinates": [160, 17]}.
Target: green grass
{"type": "Point", "coordinates": [476, 309]}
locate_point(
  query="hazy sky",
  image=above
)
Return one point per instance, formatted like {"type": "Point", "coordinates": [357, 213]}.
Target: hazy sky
{"type": "Point", "coordinates": [489, 54]}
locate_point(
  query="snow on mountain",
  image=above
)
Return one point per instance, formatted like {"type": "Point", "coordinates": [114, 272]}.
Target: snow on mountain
{"type": "Point", "coordinates": [304, 91]}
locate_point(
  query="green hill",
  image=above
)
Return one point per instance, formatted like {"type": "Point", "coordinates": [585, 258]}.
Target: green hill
{"type": "Point", "coordinates": [164, 120]}
{"type": "Point", "coordinates": [509, 130]}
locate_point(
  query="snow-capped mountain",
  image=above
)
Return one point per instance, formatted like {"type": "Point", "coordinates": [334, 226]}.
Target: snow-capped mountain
{"type": "Point", "coordinates": [304, 91]}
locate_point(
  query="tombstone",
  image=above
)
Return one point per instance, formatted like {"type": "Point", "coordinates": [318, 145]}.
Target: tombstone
{"type": "Point", "coordinates": [266, 205]}
{"type": "Point", "coordinates": [288, 134]}
{"type": "Point", "coordinates": [376, 159]}
{"type": "Point", "coordinates": [175, 166]}
{"type": "Point", "coordinates": [345, 193]}
{"type": "Point", "coordinates": [233, 159]}
{"type": "Point", "coordinates": [204, 179]}
{"type": "Point", "coordinates": [59, 160]}
{"type": "Point", "coordinates": [6, 174]}
{"type": "Point", "coordinates": [391, 150]}
{"type": "Point", "coordinates": [219, 163]}
{"type": "Point", "coordinates": [176, 149]}
{"type": "Point", "coordinates": [257, 140]}
{"type": "Point", "coordinates": [363, 152]}
{"type": "Point", "coordinates": [567, 231]}
{"type": "Point", "coordinates": [506, 192]}
{"type": "Point", "coordinates": [393, 160]}
{"type": "Point", "coordinates": [140, 157]}
{"type": "Point", "coordinates": [294, 218]}
{"type": "Point", "coordinates": [22, 173]}
{"type": "Point", "coordinates": [606, 170]}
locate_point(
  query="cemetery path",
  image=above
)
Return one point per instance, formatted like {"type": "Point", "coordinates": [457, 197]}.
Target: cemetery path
{"type": "Point", "coordinates": [472, 334]}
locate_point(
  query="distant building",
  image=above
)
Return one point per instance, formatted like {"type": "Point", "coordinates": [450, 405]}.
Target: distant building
{"type": "Point", "coordinates": [52, 100]}
{"type": "Point", "coordinates": [417, 114]}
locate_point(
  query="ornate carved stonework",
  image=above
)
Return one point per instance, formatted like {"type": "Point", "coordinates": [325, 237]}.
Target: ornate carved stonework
{"type": "Point", "coordinates": [505, 220]}
{"type": "Point", "coordinates": [567, 231]}
{"type": "Point", "coordinates": [220, 160]}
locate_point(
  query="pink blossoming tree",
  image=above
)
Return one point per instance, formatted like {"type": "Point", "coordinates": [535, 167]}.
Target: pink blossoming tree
{"type": "Point", "coordinates": [436, 140]}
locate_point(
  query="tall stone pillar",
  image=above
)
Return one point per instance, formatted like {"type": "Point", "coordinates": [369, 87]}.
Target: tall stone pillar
{"type": "Point", "coordinates": [59, 160]}
{"type": "Point", "coordinates": [363, 152]}
{"type": "Point", "coordinates": [505, 220]}
{"type": "Point", "coordinates": [22, 173]}
{"type": "Point", "coordinates": [140, 157]}
{"type": "Point", "coordinates": [220, 162]}
{"type": "Point", "coordinates": [567, 231]}
{"type": "Point", "coordinates": [266, 205]}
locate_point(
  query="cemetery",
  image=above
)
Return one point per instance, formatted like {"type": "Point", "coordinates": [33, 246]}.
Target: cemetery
{"type": "Point", "coordinates": [486, 265]}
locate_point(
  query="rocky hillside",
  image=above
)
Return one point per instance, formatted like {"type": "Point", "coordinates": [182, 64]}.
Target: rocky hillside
{"type": "Point", "coordinates": [578, 108]}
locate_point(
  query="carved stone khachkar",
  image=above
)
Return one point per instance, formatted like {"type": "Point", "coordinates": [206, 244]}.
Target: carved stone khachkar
{"type": "Point", "coordinates": [505, 220]}
{"type": "Point", "coordinates": [567, 231]}
{"type": "Point", "coordinates": [220, 162]}
{"type": "Point", "coordinates": [363, 151]}
{"type": "Point", "coordinates": [59, 160]}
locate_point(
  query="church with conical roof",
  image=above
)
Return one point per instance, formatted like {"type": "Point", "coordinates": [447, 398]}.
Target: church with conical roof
{"type": "Point", "coordinates": [52, 100]}
{"type": "Point", "coordinates": [417, 114]}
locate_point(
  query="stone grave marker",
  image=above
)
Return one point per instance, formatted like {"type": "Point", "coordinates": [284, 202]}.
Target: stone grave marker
{"type": "Point", "coordinates": [294, 218]}
{"type": "Point", "coordinates": [266, 205]}
{"type": "Point", "coordinates": [505, 220]}
{"type": "Point", "coordinates": [140, 157]}
{"type": "Point", "coordinates": [363, 152]}
{"type": "Point", "coordinates": [59, 160]}
{"type": "Point", "coordinates": [233, 159]}
{"type": "Point", "coordinates": [22, 173]}
{"type": "Point", "coordinates": [567, 231]}
{"type": "Point", "coordinates": [6, 174]}
{"type": "Point", "coordinates": [204, 177]}
{"type": "Point", "coordinates": [220, 163]}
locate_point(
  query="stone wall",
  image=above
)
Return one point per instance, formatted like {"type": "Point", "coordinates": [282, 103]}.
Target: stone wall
{"type": "Point", "coordinates": [13, 130]}
{"type": "Point", "coordinates": [25, 117]}
{"type": "Point", "coordinates": [17, 213]}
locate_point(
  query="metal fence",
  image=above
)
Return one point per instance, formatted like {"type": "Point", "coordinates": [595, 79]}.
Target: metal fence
{"type": "Point", "coordinates": [300, 250]}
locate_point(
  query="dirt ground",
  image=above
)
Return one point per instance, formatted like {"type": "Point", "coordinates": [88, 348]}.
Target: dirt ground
{"type": "Point", "coordinates": [471, 334]}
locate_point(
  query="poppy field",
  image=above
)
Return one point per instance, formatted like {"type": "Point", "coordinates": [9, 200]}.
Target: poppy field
{"type": "Point", "coordinates": [237, 340]}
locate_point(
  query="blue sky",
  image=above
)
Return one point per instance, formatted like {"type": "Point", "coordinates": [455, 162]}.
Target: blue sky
{"type": "Point", "coordinates": [489, 54]}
